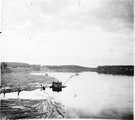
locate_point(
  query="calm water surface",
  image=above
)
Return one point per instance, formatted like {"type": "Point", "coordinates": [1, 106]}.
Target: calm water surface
{"type": "Point", "coordinates": [90, 95]}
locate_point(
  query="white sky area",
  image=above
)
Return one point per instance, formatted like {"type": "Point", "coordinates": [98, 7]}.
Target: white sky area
{"type": "Point", "coordinates": [67, 32]}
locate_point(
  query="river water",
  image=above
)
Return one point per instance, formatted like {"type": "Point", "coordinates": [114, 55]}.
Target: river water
{"type": "Point", "coordinates": [90, 95]}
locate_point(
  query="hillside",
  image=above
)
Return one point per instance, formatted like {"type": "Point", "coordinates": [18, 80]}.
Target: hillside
{"type": "Point", "coordinates": [18, 67]}
{"type": "Point", "coordinates": [17, 64]}
{"type": "Point", "coordinates": [116, 69]}
{"type": "Point", "coordinates": [66, 68]}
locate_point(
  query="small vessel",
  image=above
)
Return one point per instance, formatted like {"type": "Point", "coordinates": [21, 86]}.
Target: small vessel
{"type": "Point", "coordinates": [57, 86]}
{"type": "Point", "coordinates": [77, 74]}
{"type": "Point", "coordinates": [46, 74]}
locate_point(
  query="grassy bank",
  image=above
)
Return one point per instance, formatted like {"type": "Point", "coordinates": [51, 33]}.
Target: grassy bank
{"type": "Point", "coordinates": [25, 80]}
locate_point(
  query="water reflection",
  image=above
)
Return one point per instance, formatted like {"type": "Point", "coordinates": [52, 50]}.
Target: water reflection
{"type": "Point", "coordinates": [36, 94]}
{"type": "Point", "coordinates": [90, 95]}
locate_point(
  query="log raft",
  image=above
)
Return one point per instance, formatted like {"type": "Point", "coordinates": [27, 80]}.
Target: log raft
{"type": "Point", "coordinates": [31, 109]}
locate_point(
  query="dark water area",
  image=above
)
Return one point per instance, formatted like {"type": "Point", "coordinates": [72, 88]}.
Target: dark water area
{"type": "Point", "coordinates": [90, 95]}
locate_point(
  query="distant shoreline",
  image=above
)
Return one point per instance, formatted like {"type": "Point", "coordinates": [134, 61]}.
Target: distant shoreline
{"type": "Point", "coordinates": [107, 69]}
{"type": "Point", "coordinates": [116, 70]}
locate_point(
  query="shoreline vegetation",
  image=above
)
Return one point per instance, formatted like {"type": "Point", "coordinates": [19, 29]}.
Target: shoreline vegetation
{"type": "Point", "coordinates": [7, 67]}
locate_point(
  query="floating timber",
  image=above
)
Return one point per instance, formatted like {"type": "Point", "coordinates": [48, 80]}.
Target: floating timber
{"type": "Point", "coordinates": [31, 109]}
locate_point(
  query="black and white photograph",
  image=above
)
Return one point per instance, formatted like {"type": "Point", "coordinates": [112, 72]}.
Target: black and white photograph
{"type": "Point", "coordinates": [67, 59]}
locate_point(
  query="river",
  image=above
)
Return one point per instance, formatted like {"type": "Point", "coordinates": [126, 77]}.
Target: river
{"type": "Point", "coordinates": [90, 95]}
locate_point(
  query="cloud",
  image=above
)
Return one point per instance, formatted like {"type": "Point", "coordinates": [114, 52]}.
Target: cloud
{"type": "Point", "coordinates": [82, 26]}
{"type": "Point", "coordinates": [111, 15]}
{"type": "Point", "coordinates": [30, 15]}
{"type": "Point", "coordinates": [53, 15]}
{"type": "Point", "coordinates": [51, 7]}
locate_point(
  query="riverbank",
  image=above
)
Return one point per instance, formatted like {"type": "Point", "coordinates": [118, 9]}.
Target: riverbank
{"type": "Point", "coordinates": [116, 70]}
{"type": "Point", "coordinates": [32, 108]}
{"type": "Point", "coordinates": [24, 80]}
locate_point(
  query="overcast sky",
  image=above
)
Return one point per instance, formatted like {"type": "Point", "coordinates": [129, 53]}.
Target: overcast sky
{"type": "Point", "coordinates": [58, 32]}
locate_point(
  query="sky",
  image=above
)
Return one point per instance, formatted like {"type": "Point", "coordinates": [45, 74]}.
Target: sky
{"type": "Point", "coordinates": [68, 32]}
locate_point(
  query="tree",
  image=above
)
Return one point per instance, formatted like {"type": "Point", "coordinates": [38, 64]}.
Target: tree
{"type": "Point", "coordinates": [4, 68]}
